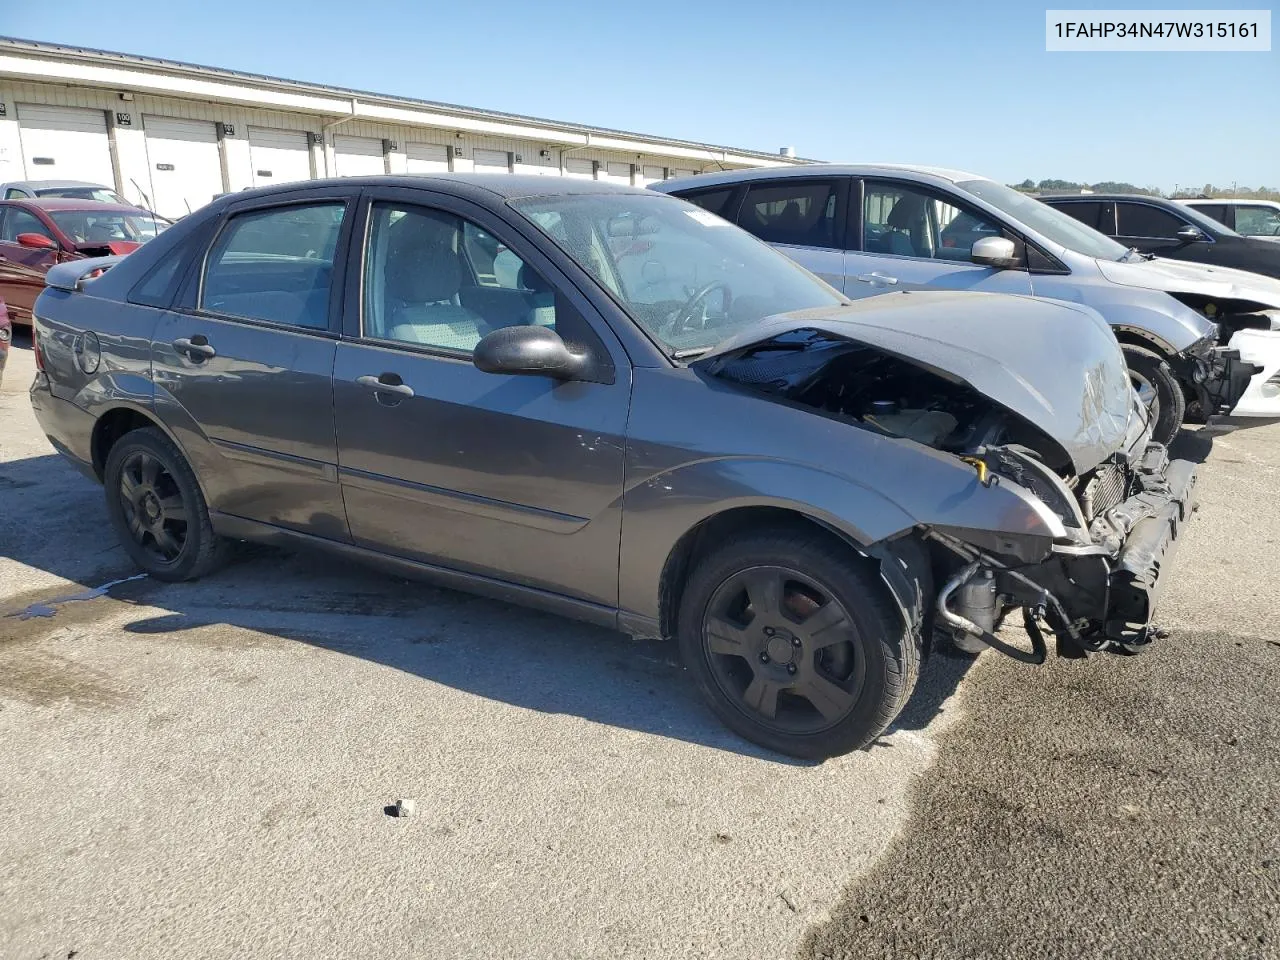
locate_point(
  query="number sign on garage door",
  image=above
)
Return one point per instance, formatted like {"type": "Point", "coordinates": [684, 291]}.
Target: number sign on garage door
{"type": "Point", "coordinates": [427, 158]}
{"type": "Point", "coordinates": [278, 156]}
{"type": "Point", "coordinates": [65, 143]}
{"type": "Point", "coordinates": [358, 156]}
{"type": "Point", "coordinates": [492, 161]}
{"type": "Point", "coordinates": [186, 169]}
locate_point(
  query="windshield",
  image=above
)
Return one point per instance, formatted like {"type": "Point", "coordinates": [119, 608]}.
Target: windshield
{"type": "Point", "coordinates": [687, 277]}
{"type": "Point", "coordinates": [1053, 225]}
{"type": "Point", "coordinates": [88, 226]}
{"type": "Point", "coordinates": [1258, 221]}
{"type": "Point", "coordinates": [99, 194]}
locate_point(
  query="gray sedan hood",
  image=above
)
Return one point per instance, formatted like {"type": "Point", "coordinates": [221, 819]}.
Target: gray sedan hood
{"type": "Point", "coordinates": [1054, 364]}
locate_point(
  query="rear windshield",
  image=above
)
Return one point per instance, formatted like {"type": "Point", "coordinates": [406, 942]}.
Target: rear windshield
{"type": "Point", "coordinates": [97, 194]}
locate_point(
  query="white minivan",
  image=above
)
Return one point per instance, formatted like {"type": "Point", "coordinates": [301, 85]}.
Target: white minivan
{"type": "Point", "coordinates": [1192, 334]}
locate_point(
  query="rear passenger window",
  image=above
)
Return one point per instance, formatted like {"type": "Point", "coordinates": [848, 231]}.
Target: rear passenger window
{"type": "Point", "coordinates": [1140, 220]}
{"type": "Point", "coordinates": [436, 280]}
{"type": "Point", "coordinates": [1092, 213]}
{"type": "Point", "coordinates": [798, 212]}
{"type": "Point", "coordinates": [713, 200]}
{"type": "Point", "coordinates": [275, 265]}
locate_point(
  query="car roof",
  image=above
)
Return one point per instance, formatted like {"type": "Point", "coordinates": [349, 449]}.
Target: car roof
{"type": "Point", "coordinates": [912, 171]}
{"type": "Point", "coordinates": [1158, 201]}
{"type": "Point", "coordinates": [1229, 201]}
{"type": "Point", "coordinates": [52, 184]}
{"type": "Point", "coordinates": [484, 187]}
{"type": "Point", "coordinates": [67, 203]}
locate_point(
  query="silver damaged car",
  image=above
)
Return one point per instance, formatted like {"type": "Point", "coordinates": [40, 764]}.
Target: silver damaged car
{"type": "Point", "coordinates": [611, 404]}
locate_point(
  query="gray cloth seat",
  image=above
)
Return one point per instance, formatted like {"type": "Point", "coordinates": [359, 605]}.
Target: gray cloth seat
{"type": "Point", "coordinates": [423, 277]}
{"type": "Point", "coordinates": [909, 235]}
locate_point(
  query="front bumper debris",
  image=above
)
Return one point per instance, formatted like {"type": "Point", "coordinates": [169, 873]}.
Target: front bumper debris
{"type": "Point", "coordinates": [1097, 593]}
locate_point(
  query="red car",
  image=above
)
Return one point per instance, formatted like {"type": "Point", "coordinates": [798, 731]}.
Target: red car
{"type": "Point", "coordinates": [36, 234]}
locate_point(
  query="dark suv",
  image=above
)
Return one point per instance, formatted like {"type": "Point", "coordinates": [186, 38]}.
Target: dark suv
{"type": "Point", "coordinates": [1169, 229]}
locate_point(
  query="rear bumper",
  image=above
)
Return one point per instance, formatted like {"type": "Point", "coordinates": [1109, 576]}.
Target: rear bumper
{"type": "Point", "coordinates": [68, 428]}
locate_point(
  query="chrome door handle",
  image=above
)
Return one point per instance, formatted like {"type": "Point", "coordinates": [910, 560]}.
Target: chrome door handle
{"type": "Point", "coordinates": [196, 348]}
{"type": "Point", "coordinates": [877, 279]}
{"type": "Point", "coordinates": [380, 385]}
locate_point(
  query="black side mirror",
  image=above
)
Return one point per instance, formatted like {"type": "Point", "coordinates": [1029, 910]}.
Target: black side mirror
{"type": "Point", "coordinates": [535, 351]}
{"type": "Point", "coordinates": [1191, 234]}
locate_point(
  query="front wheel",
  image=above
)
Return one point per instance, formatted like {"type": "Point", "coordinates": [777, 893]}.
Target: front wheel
{"type": "Point", "coordinates": [1158, 390]}
{"type": "Point", "coordinates": [794, 641]}
{"type": "Point", "coordinates": [157, 509]}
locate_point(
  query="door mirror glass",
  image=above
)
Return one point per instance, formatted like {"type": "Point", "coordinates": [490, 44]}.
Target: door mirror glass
{"type": "Point", "coordinates": [36, 241]}
{"type": "Point", "coordinates": [1191, 234]}
{"type": "Point", "coordinates": [534, 351]}
{"type": "Point", "coordinates": [998, 252]}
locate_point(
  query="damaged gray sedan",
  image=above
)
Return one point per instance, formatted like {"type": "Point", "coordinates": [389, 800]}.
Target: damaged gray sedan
{"type": "Point", "coordinates": [613, 405]}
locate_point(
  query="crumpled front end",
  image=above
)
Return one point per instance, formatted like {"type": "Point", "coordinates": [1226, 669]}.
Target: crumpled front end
{"type": "Point", "coordinates": [1099, 587]}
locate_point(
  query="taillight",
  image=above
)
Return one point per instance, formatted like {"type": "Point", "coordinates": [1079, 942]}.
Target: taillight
{"type": "Point", "coordinates": [35, 350]}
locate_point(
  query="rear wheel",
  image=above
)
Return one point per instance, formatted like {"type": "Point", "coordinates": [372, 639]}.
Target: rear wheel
{"type": "Point", "coordinates": [1158, 390]}
{"type": "Point", "coordinates": [157, 509]}
{"type": "Point", "coordinates": [795, 642]}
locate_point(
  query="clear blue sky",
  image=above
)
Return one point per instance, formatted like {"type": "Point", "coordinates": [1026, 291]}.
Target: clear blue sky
{"type": "Point", "coordinates": [960, 84]}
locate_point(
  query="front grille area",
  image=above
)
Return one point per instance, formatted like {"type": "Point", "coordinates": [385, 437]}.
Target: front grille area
{"type": "Point", "coordinates": [1108, 487]}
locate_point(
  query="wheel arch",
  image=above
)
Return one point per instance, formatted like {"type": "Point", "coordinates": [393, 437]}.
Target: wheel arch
{"type": "Point", "coordinates": [901, 578]}
{"type": "Point", "coordinates": [1138, 337]}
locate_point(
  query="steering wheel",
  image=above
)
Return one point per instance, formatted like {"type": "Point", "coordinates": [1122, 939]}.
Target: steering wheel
{"type": "Point", "coordinates": [682, 320]}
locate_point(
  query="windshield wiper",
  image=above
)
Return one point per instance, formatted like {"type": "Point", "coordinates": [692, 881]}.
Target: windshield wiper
{"type": "Point", "coordinates": [689, 354]}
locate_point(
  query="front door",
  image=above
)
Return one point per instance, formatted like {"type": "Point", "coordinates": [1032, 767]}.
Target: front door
{"type": "Point", "coordinates": [514, 477]}
{"type": "Point", "coordinates": [243, 368]}
{"type": "Point", "coordinates": [913, 237]}
{"type": "Point", "coordinates": [22, 269]}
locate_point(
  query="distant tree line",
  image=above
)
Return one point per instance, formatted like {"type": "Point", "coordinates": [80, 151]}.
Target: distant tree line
{"type": "Point", "coordinates": [1113, 186]}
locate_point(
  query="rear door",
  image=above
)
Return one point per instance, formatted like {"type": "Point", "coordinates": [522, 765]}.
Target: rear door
{"type": "Point", "coordinates": [22, 269]}
{"type": "Point", "coordinates": [804, 218]}
{"type": "Point", "coordinates": [911, 236]}
{"type": "Point", "coordinates": [246, 359]}
{"type": "Point", "coordinates": [513, 477]}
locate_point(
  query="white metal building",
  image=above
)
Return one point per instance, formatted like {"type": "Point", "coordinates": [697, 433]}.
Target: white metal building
{"type": "Point", "coordinates": [171, 135]}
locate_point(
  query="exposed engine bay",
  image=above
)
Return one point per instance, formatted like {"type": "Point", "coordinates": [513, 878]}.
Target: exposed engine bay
{"type": "Point", "coordinates": [885, 393]}
{"type": "Point", "coordinates": [1096, 590]}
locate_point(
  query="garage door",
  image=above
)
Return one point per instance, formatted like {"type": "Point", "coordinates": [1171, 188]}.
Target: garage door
{"type": "Point", "coordinates": [492, 161]}
{"type": "Point", "coordinates": [358, 156]}
{"type": "Point", "coordinates": [583, 169]}
{"type": "Point", "coordinates": [649, 175]}
{"type": "Point", "coordinates": [65, 143]}
{"type": "Point", "coordinates": [427, 158]}
{"type": "Point", "coordinates": [278, 156]}
{"type": "Point", "coordinates": [186, 170]}
{"type": "Point", "coordinates": [617, 172]}
{"type": "Point", "coordinates": [681, 172]}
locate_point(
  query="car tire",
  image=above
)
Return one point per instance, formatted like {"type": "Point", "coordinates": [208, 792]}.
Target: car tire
{"type": "Point", "coordinates": [1159, 389]}
{"type": "Point", "coordinates": [797, 675]}
{"type": "Point", "coordinates": [157, 508]}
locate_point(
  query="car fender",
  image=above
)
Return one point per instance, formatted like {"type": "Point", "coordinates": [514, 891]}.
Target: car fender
{"type": "Point", "coordinates": [1150, 315]}
{"type": "Point", "coordinates": [662, 509]}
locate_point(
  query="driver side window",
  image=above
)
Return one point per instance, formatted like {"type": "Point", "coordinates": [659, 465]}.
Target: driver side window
{"type": "Point", "coordinates": [17, 220]}
{"type": "Point", "coordinates": [438, 281]}
{"type": "Point", "coordinates": [904, 221]}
